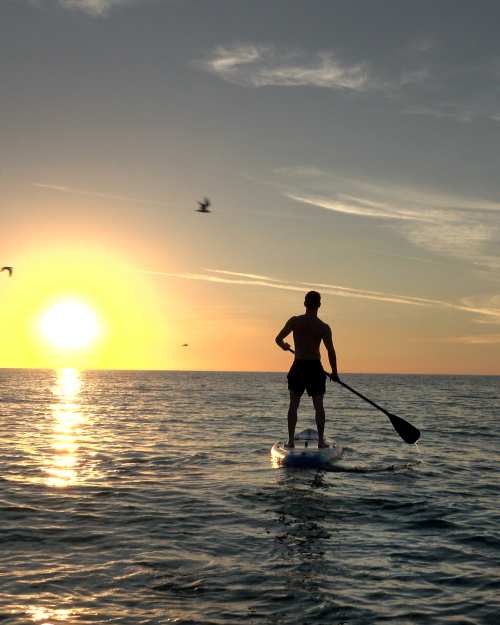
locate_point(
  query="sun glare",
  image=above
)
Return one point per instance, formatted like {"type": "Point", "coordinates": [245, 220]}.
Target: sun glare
{"type": "Point", "coordinates": [70, 324]}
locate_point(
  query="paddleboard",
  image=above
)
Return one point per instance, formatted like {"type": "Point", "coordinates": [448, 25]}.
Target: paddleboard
{"type": "Point", "coordinates": [305, 453]}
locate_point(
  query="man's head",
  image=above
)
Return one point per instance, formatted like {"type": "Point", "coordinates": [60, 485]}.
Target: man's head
{"type": "Point", "coordinates": [312, 300]}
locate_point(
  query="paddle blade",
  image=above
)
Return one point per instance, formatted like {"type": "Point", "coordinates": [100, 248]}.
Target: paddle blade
{"type": "Point", "coordinates": [409, 433]}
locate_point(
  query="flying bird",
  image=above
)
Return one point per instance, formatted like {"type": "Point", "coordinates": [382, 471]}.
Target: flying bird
{"type": "Point", "coordinates": [204, 206]}
{"type": "Point", "coordinates": [9, 269]}
{"type": "Point", "coordinates": [185, 345]}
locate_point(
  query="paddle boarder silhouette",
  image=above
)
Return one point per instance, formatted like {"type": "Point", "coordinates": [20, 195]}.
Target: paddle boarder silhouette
{"type": "Point", "coordinates": [306, 372]}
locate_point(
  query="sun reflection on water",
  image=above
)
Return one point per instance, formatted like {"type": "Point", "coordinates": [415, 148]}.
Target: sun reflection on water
{"type": "Point", "coordinates": [68, 383]}
{"type": "Point", "coordinates": [45, 616]}
{"type": "Point", "coordinates": [62, 470]}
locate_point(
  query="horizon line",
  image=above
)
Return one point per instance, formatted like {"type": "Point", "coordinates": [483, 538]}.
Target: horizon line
{"type": "Point", "coordinates": [490, 375]}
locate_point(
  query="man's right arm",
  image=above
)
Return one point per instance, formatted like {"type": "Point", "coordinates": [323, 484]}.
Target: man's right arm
{"type": "Point", "coordinates": [332, 356]}
{"type": "Point", "coordinates": [287, 328]}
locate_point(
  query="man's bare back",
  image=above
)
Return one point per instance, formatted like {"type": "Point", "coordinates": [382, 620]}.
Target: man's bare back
{"type": "Point", "coordinates": [308, 332]}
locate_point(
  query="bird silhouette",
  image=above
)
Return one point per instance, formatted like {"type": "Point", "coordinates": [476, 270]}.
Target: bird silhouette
{"type": "Point", "coordinates": [204, 206]}
{"type": "Point", "coordinates": [9, 269]}
{"type": "Point", "coordinates": [185, 345]}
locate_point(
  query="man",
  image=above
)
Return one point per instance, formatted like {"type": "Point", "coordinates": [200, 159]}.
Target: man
{"type": "Point", "coordinates": [307, 372]}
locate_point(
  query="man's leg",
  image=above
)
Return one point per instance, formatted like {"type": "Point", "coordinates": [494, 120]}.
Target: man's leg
{"type": "Point", "coordinates": [292, 417]}
{"type": "Point", "coordinates": [320, 419]}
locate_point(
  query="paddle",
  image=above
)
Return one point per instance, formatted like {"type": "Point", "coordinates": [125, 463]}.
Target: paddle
{"type": "Point", "coordinates": [409, 433]}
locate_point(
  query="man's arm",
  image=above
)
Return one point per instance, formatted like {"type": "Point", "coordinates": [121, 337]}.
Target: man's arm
{"type": "Point", "coordinates": [287, 328]}
{"type": "Point", "coordinates": [332, 356]}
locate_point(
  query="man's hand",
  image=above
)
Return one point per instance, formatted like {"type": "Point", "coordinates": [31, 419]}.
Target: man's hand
{"type": "Point", "coordinates": [286, 346]}
{"type": "Point", "coordinates": [334, 376]}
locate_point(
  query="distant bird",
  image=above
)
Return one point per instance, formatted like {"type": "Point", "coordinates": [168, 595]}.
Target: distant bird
{"type": "Point", "coordinates": [185, 345]}
{"type": "Point", "coordinates": [204, 206]}
{"type": "Point", "coordinates": [9, 269]}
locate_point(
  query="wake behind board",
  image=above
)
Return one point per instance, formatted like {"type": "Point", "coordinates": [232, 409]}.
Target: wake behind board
{"type": "Point", "coordinates": [305, 454]}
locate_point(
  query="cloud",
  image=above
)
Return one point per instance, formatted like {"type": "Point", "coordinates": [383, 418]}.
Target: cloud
{"type": "Point", "coordinates": [305, 171]}
{"type": "Point", "coordinates": [96, 8]}
{"type": "Point", "coordinates": [265, 66]}
{"type": "Point", "coordinates": [482, 300]}
{"type": "Point", "coordinates": [237, 279]}
{"type": "Point", "coordinates": [477, 339]}
{"type": "Point", "coordinates": [447, 111]}
{"type": "Point", "coordinates": [414, 76]}
{"type": "Point", "coordinates": [225, 60]}
{"type": "Point", "coordinates": [489, 302]}
{"type": "Point", "coordinates": [93, 7]}
{"type": "Point", "coordinates": [106, 196]}
{"type": "Point", "coordinates": [458, 227]}
{"type": "Point", "coordinates": [386, 194]}
{"type": "Point", "coordinates": [252, 276]}
{"type": "Point", "coordinates": [464, 237]}
{"type": "Point", "coordinates": [416, 79]}
{"type": "Point", "coordinates": [355, 206]}
{"type": "Point", "coordinates": [225, 276]}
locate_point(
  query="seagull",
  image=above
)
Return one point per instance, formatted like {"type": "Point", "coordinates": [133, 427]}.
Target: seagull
{"type": "Point", "coordinates": [204, 206]}
{"type": "Point", "coordinates": [185, 345]}
{"type": "Point", "coordinates": [9, 269]}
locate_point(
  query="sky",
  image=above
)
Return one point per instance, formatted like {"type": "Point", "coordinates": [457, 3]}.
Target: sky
{"type": "Point", "coordinates": [349, 147]}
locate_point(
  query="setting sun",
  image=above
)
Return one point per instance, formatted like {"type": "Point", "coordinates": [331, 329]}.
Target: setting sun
{"type": "Point", "coordinates": [70, 324]}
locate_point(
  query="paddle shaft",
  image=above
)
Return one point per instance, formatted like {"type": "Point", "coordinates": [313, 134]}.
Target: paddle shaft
{"type": "Point", "coordinates": [408, 432]}
{"type": "Point", "coordinates": [355, 392]}
{"type": "Point", "coordinates": [363, 397]}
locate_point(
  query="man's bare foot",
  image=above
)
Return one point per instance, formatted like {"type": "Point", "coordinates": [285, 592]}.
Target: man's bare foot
{"type": "Point", "coordinates": [290, 445]}
{"type": "Point", "coordinates": [322, 444]}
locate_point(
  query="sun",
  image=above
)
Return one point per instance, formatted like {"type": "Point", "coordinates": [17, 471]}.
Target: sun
{"type": "Point", "coordinates": [70, 324]}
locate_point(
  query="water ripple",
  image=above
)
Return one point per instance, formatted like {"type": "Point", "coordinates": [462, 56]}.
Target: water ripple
{"type": "Point", "coordinates": [149, 498]}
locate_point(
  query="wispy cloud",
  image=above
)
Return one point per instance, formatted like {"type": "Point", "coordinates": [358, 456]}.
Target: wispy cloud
{"type": "Point", "coordinates": [466, 236]}
{"type": "Point", "coordinates": [224, 276]}
{"type": "Point", "coordinates": [93, 7]}
{"type": "Point", "coordinates": [475, 339]}
{"type": "Point", "coordinates": [490, 300]}
{"type": "Point", "coordinates": [106, 196]}
{"type": "Point", "coordinates": [255, 65]}
{"type": "Point", "coordinates": [306, 171]}
{"type": "Point", "coordinates": [349, 205]}
{"type": "Point", "coordinates": [416, 80]}
{"type": "Point", "coordinates": [237, 279]}
{"type": "Point", "coordinates": [251, 276]}
{"type": "Point", "coordinates": [445, 111]}
{"type": "Point", "coordinates": [414, 76]}
{"type": "Point", "coordinates": [385, 194]}
{"type": "Point", "coordinates": [458, 227]}
{"type": "Point", "coordinates": [265, 66]}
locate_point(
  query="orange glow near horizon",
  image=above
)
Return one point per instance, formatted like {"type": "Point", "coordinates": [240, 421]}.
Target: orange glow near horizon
{"type": "Point", "coordinates": [82, 307]}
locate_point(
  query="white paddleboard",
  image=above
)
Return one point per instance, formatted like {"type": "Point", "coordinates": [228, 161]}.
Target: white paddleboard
{"type": "Point", "coordinates": [305, 453]}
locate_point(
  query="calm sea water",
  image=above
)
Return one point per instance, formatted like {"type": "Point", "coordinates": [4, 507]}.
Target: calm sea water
{"type": "Point", "coordinates": [149, 497]}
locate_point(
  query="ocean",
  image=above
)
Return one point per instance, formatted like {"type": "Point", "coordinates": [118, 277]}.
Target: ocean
{"type": "Point", "coordinates": [150, 498]}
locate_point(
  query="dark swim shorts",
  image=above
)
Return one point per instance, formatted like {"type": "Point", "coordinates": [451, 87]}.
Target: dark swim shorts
{"type": "Point", "coordinates": [307, 375]}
